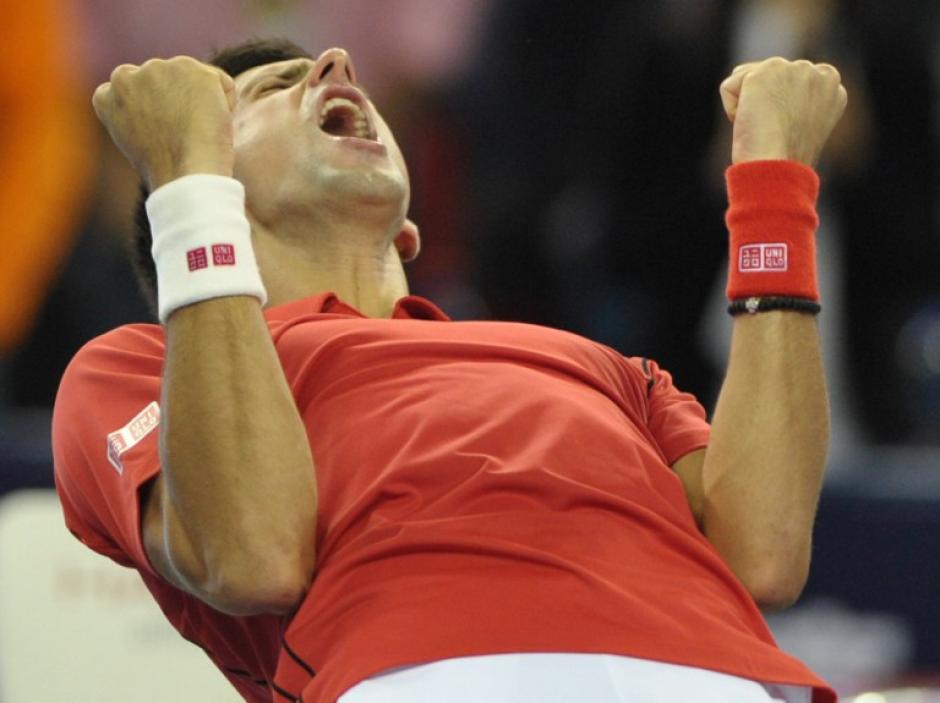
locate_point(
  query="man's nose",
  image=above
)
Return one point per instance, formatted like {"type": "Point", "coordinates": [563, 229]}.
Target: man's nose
{"type": "Point", "coordinates": [334, 65]}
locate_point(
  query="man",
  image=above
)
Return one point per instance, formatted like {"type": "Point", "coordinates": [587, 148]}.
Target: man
{"type": "Point", "coordinates": [345, 496]}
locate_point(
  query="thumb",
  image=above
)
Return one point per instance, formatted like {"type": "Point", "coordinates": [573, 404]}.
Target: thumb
{"type": "Point", "coordinates": [228, 88]}
{"type": "Point", "coordinates": [730, 89]}
{"type": "Point", "coordinates": [730, 92]}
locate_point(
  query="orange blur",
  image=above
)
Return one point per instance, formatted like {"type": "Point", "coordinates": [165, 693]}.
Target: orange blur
{"type": "Point", "coordinates": [45, 156]}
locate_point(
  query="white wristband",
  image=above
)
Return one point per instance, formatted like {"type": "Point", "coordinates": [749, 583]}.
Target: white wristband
{"type": "Point", "coordinates": [201, 242]}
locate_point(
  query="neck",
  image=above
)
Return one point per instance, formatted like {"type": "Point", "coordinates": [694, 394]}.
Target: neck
{"type": "Point", "coordinates": [357, 262]}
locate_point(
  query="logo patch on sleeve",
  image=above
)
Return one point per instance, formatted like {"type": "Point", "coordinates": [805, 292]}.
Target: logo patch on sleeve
{"type": "Point", "coordinates": [762, 257]}
{"type": "Point", "coordinates": [142, 424]}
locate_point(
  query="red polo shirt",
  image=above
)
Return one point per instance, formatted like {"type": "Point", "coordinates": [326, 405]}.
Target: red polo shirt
{"type": "Point", "coordinates": [484, 487]}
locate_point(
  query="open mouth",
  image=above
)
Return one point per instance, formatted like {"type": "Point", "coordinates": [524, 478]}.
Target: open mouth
{"type": "Point", "coordinates": [343, 114]}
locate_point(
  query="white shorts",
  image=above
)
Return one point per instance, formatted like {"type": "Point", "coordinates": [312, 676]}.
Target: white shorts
{"type": "Point", "coordinates": [563, 678]}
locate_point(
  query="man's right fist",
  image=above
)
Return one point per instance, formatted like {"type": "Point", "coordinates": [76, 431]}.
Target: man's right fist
{"type": "Point", "coordinates": [170, 117]}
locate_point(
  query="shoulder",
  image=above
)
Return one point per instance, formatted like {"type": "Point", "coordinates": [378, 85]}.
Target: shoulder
{"type": "Point", "coordinates": [130, 349]}
{"type": "Point", "coordinates": [106, 406]}
{"type": "Point", "coordinates": [126, 341]}
{"type": "Point", "coordinates": [105, 370]}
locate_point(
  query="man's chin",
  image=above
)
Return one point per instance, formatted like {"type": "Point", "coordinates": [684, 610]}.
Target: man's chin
{"type": "Point", "coordinates": [376, 187]}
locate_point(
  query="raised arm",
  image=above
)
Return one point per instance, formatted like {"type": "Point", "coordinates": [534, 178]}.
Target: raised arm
{"type": "Point", "coordinates": [232, 516]}
{"type": "Point", "coordinates": [756, 487]}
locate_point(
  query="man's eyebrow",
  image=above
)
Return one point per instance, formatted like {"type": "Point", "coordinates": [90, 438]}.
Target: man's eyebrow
{"type": "Point", "coordinates": [291, 73]}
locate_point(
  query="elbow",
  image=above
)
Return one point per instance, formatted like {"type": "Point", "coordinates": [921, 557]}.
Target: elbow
{"type": "Point", "coordinates": [268, 591]}
{"type": "Point", "coordinates": [240, 585]}
{"type": "Point", "coordinates": [774, 585]}
{"type": "Point", "coordinates": [771, 565]}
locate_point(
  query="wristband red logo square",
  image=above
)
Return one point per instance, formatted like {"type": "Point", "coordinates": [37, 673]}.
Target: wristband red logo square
{"type": "Point", "coordinates": [197, 259]}
{"type": "Point", "coordinates": [763, 257]}
{"type": "Point", "coordinates": [223, 254]}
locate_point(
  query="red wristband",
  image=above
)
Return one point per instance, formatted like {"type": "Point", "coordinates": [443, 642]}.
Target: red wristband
{"type": "Point", "coordinates": [772, 224]}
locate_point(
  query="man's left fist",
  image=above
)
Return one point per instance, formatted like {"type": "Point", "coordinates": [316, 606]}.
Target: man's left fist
{"type": "Point", "coordinates": [782, 109]}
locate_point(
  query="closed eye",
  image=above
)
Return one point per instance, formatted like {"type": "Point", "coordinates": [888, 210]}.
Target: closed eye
{"type": "Point", "coordinates": [270, 87]}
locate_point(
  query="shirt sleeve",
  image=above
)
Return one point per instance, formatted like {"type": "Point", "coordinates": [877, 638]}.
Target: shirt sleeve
{"type": "Point", "coordinates": [676, 420]}
{"type": "Point", "coordinates": [105, 428]}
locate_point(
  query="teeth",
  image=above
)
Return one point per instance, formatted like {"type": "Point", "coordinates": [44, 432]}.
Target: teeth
{"type": "Point", "coordinates": [334, 103]}
{"type": "Point", "coordinates": [362, 129]}
{"type": "Point", "coordinates": [360, 122]}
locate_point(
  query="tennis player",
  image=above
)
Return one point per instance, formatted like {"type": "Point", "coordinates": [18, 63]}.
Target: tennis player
{"type": "Point", "coordinates": [340, 494]}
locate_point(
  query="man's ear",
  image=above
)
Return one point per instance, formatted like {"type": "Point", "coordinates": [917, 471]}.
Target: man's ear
{"type": "Point", "coordinates": [408, 241]}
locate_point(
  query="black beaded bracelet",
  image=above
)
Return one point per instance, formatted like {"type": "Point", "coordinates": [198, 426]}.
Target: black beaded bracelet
{"type": "Point", "coordinates": [755, 305]}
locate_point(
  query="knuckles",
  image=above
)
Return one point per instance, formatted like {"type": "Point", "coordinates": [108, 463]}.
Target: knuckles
{"type": "Point", "coordinates": [828, 69]}
{"type": "Point", "coordinates": [154, 78]}
{"type": "Point", "coordinates": [157, 71]}
{"type": "Point", "coordinates": [778, 67]}
{"type": "Point", "coordinates": [788, 81]}
{"type": "Point", "coordinates": [122, 72]}
{"type": "Point", "coordinates": [174, 63]}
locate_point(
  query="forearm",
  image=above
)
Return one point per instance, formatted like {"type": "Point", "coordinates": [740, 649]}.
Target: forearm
{"type": "Point", "coordinates": [764, 465]}
{"type": "Point", "coordinates": [240, 486]}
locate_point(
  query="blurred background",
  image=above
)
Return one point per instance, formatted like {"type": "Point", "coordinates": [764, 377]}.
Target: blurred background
{"type": "Point", "coordinates": [567, 165]}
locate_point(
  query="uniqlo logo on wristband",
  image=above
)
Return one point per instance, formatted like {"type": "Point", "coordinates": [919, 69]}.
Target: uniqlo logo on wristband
{"type": "Point", "coordinates": [197, 259]}
{"type": "Point", "coordinates": [223, 254]}
{"type": "Point", "coordinates": [762, 257]}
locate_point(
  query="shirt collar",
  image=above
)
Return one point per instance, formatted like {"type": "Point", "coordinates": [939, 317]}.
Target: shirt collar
{"type": "Point", "coordinates": [411, 307]}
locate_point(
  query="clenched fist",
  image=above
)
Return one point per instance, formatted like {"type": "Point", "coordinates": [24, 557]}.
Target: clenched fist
{"type": "Point", "coordinates": [170, 117]}
{"type": "Point", "coordinates": [782, 109]}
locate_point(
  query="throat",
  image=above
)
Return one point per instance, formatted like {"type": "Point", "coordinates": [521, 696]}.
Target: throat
{"type": "Point", "coordinates": [363, 274]}
{"type": "Point", "coordinates": [338, 123]}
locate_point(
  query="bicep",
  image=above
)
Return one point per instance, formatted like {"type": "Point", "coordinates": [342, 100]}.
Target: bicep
{"type": "Point", "coordinates": [689, 470]}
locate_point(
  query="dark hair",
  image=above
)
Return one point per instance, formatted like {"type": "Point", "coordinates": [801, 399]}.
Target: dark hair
{"type": "Point", "coordinates": [233, 60]}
